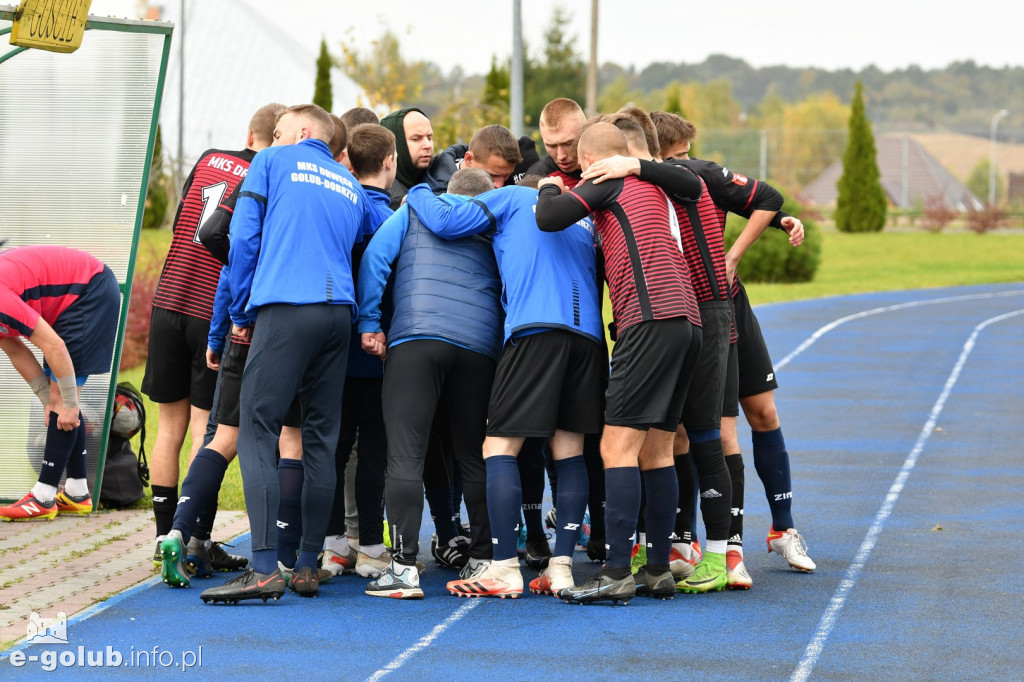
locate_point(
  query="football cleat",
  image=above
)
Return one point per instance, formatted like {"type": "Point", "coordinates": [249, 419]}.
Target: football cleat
{"type": "Point", "coordinates": [790, 545]}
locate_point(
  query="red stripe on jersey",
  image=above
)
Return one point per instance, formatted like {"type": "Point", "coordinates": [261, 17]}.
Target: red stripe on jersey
{"type": "Point", "coordinates": [188, 282]}
{"type": "Point", "coordinates": [648, 278]}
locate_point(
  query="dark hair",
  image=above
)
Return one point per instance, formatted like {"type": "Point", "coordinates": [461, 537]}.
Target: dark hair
{"type": "Point", "coordinates": [368, 145]}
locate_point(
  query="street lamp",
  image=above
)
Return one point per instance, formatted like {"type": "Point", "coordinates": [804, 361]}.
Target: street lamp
{"type": "Point", "coordinates": [992, 155]}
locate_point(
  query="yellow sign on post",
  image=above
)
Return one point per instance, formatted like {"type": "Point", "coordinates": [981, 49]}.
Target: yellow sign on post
{"type": "Point", "coordinates": [53, 25]}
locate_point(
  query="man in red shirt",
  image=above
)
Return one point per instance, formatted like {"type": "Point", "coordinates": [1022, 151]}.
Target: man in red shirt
{"type": "Point", "coordinates": [66, 303]}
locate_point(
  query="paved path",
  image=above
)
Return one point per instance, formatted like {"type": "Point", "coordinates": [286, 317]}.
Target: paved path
{"type": "Point", "coordinates": [72, 562]}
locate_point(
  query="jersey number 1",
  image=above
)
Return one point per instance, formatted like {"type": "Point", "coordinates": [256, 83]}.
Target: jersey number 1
{"type": "Point", "coordinates": [212, 196]}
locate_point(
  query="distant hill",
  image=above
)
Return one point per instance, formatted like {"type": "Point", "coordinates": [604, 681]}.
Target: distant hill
{"type": "Point", "coordinates": [961, 97]}
{"type": "Point", "coordinates": [961, 153]}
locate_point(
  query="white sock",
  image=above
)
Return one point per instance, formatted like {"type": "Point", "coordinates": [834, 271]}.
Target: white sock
{"type": "Point", "coordinates": [44, 493]}
{"type": "Point", "coordinates": [76, 487]}
{"type": "Point", "coordinates": [684, 549]}
{"type": "Point", "coordinates": [337, 544]}
{"type": "Point", "coordinates": [372, 551]}
{"type": "Point", "coordinates": [715, 546]}
{"type": "Point", "coordinates": [642, 539]}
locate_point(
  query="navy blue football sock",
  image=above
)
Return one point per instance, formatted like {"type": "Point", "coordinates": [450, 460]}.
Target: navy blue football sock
{"type": "Point", "coordinates": [735, 465]}
{"type": "Point", "coordinates": [620, 511]}
{"type": "Point", "coordinates": [504, 497]}
{"type": "Point", "coordinates": [772, 464]}
{"type": "Point", "coordinates": [264, 561]}
{"type": "Point", "coordinates": [204, 527]}
{"type": "Point", "coordinates": [573, 491]}
{"type": "Point", "coordinates": [660, 514]}
{"type": "Point", "coordinates": [686, 483]}
{"type": "Point", "coordinates": [76, 460]}
{"type": "Point", "coordinates": [715, 483]}
{"type": "Point", "coordinates": [307, 559]}
{"type": "Point", "coordinates": [531, 477]}
{"type": "Point", "coordinates": [439, 501]}
{"type": "Point", "coordinates": [289, 512]}
{"type": "Point", "coordinates": [56, 452]}
{"type": "Point", "coordinates": [201, 484]}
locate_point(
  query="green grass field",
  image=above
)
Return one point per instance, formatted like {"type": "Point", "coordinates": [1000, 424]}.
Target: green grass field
{"type": "Point", "coordinates": [850, 263]}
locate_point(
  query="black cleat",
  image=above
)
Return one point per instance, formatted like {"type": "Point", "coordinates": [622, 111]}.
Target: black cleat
{"type": "Point", "coordinates": [305, 582]}
{"type": "Point", "coordinates": [249, 585]}
{"type": "Point", "coordinates": [222, 561]}
{"type": "Point", "coordinates": [538, 553]}
{"type": "Point", "coordinates": [596, 550]}
{"type": "Point", "coordinates": [657, 585]}
{"type": "Point", "coordinates": [601, 588]}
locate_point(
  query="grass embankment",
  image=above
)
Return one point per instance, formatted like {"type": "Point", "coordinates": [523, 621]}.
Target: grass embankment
{"type": "Point", "coordinates": [850, 263]}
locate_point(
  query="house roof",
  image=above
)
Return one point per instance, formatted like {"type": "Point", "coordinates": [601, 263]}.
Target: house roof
{"type": "Point", "coordinates": [236, 60]}
{"type": "Point", "coordinates": [910, 176]}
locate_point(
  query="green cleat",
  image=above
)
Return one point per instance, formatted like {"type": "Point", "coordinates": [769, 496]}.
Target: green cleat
{"type": "Point", "coordinates": [638, 559]}
{"type": "Point", "coordinates": [709, 576]}
{"type": "Point", "coordinates": [172, 568]}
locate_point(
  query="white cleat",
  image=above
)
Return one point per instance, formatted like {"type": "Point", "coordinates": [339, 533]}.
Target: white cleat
{"type": "Point", "coordinates": [790, 545]}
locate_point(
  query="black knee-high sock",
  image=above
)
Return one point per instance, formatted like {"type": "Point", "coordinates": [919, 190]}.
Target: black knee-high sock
{"type": "Point", "coordinates": [439, 501]}
{"type": "Point", "coordinates": [289, 513]}
{"type": "Point", "coordinates": [165, 501]}
{"type": "Point", "coordinates": [504, 495]}
{"type": "Point", "coordinates": [201, 484]}
{"type": "Point", "coordinates": [571, 503]}
{"type": "Point", "coordinates": [735, 465]}
{"type": "Point", "coordinates": [687, 486]}
{"type": "Point", "coordinates": [659, 517]}
{"type": "Point", "coordinates": [531, 477]}
{"type": "Point", "coordinates": [76, 460]}
{"type": "Point", "coordinates": [595, 475]}
{"type": "Point", "coordinates": [771, 460]}
{"type": "Point", "coordinates": [56, 453]}
{"type": "Point", "coordinates": [715, 484]}
{"type": "Point", "coordinates": [621, 510]}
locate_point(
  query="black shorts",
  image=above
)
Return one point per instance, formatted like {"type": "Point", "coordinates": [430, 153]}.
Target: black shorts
{"type": "Point", "coordinates": [703, 407]}
{"type": "Point", "coordinates": [652, 365]}
{"type": "Point", "coordinates": [88, 326]}
{"type": "Point", "coordinates": [547, 381]}
{"type": "Point", "coordinates": [756, 372]}
{"type": "Point", "coordinates": [731, 396]}
{"type": "Point", "coordinates": [176, 368]}
{"type": "Point", "coordinates": [232, 363]}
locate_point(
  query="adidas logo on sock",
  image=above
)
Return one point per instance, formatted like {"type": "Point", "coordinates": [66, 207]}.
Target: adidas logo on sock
{"type": "Point", "coordinates": [282, 524]}
{"type": "Point", "coordinates": [710, 493]}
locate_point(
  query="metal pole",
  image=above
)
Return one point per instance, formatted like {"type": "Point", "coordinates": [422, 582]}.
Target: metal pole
{"type": "Point", "coordinates": [992, 155]}
{"type": "Point", "coordinates": [516, 84]}
{"type": "Point", "coordinates": [179, 175]}
{"type": "Point", "coordinates": [592, 68]}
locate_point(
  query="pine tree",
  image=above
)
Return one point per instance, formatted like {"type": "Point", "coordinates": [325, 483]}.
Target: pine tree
{"type": "Point", "coordinates": [861, 204]}
{"type": "Point", "coordinates": [322, 95]}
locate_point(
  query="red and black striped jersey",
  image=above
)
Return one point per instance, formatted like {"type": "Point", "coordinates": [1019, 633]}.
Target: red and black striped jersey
{"type": "Point", "coordinates": [648, 277]}
{"type": "Point", "coordinates": [188, 281]}
{"type": "Point", "coordinates": [734, 193]}
{"type": "Point", "coordinates": [547, 168]}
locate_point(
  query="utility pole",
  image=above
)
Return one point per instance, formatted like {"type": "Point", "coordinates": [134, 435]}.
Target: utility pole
{"type": "Point", "coordinates": [592, 68]}
{"type": "Point", "coordinates": [992, 155]}
{"type": "Point", "coordinates": [516, 80]}
{"type": "Point", "coordinates": [179, 167]}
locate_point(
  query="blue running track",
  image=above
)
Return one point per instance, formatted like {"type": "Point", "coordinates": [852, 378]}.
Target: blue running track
{"type": "Point", "coordinates": [904, 417]}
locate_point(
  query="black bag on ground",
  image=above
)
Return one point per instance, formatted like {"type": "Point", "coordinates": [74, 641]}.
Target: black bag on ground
{"type": "Point", "coordinates": [125, 473]}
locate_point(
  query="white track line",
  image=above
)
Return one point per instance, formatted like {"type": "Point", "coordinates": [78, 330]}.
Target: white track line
{"type": "Point", "coordinates": [831, 615]}
{"type": "Point", "coordinates": [426, 641]}
{"type": "Point", "coordinates": [885, 309]}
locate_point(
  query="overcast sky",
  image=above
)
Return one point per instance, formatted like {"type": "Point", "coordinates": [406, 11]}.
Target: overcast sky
{"type": "Point", "coordinates": [890, 34]}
